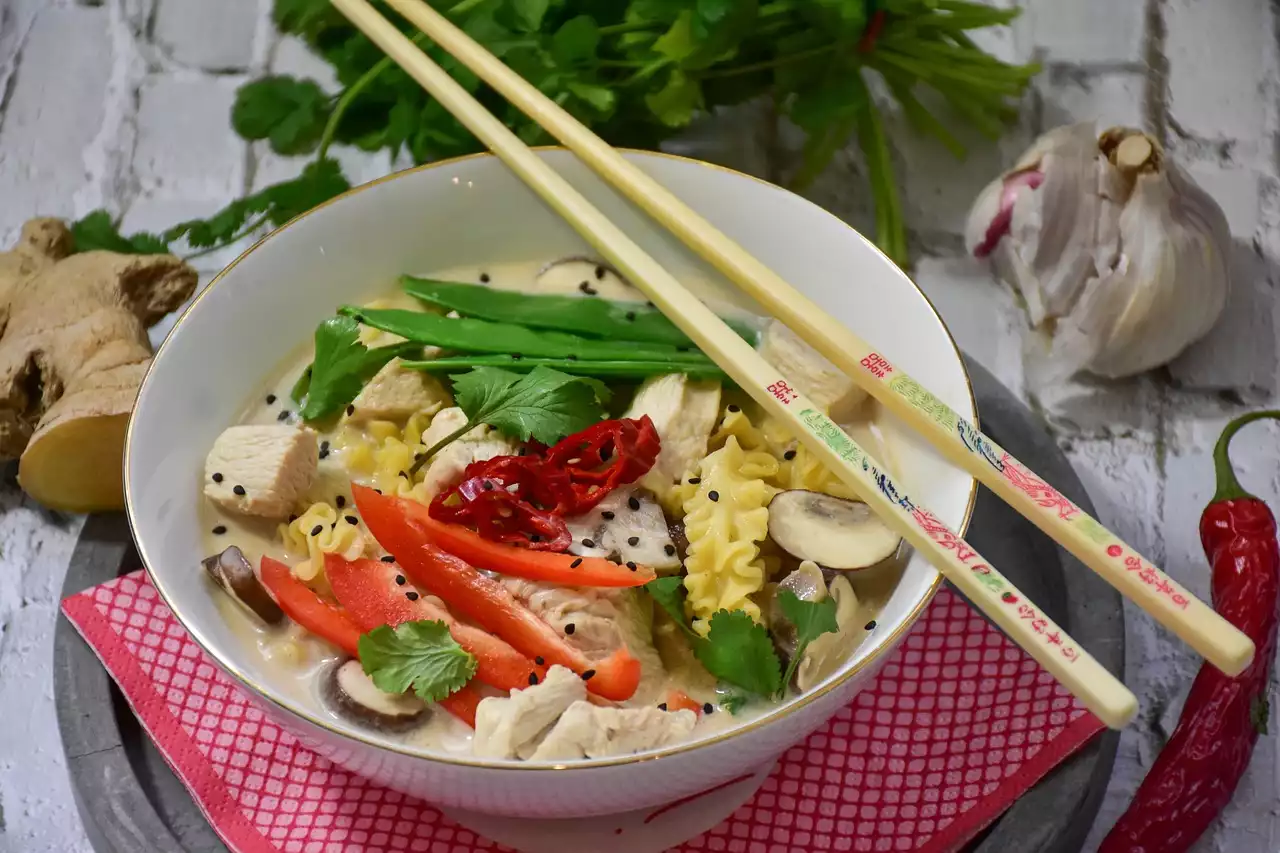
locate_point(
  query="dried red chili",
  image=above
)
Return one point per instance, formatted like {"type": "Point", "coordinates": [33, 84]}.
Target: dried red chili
{"type": "Point", "coordinates": [524, 499]}
{"type": "Point", "coordinates": [1196, 773]}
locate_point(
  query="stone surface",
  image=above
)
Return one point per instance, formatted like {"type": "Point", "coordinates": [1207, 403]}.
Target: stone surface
{"type": "Point", "coordinates": [124, 104]}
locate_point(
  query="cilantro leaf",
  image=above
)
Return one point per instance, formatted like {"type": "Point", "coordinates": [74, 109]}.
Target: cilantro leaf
{"type": "Point", "coordinates": [341, 367]}
{"type": "Point", "coordinates": [97, 231]}
{"type": "Point", "coordinates": [421, 655]}
{"type": "Point", "coordinates": [675, 103]}
{"type": "Point", "coordinates": [811, 619]}
{"type": "Point", "coordinates": [733, 702]}
{"type": "Point", "coordinates": [544, 404]}
{"type": "Point", "coordinates": [739, 651]}
{"type": "Point", "coordinates": [576, 40]}
{"type": "Point", "coordinates": [668, 593]}
{"type": "Point", "coordinates": [289, 112]}
{"type": "Point", "coordinates": [529, 13]}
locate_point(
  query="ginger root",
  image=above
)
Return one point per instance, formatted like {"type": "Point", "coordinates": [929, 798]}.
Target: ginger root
{"type": "Point", "coordinates": [73, 351]}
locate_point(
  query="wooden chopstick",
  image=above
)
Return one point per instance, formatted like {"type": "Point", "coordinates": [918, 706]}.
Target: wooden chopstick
{"type": "Point", "coordinates": [1075, 668]}
{"type": "Point", "coordinates": [1216, 639]}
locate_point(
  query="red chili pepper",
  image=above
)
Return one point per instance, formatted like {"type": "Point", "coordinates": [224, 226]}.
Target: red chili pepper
{"type": "Point", "coordinates": [523, 500]}
{"type": "Point", "coordinates": [1197, 772]}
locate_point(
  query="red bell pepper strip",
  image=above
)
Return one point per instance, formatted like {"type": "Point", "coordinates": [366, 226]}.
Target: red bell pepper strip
{"type": "Point", "coordinates": [322, 618]}
{"type": "Point", "coordinates": [678, 700]}
{"type": "Point", "coordinates": [329, 622]}
{"type": "Point", "coordinates": [562, 569]}
{"type": "Point", "coordinates": [484, 601]}
{"type": "Point", "coordinates": [367, 589]}
{"type": "Point", "coordinates": [1198, 770]}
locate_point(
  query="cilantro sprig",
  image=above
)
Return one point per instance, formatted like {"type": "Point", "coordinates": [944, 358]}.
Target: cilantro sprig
{"type": "Point", "coordinates": [737, 650]}
{"type": "Point", "coordinates": [341, 367]}
{"type": "Point", "coordinates": [636, 72]}
{"type": "Point", "coordinates": [419, 655]}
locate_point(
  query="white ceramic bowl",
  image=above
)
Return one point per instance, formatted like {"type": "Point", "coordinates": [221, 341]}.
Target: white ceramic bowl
{"type": "Point", "coordinates": [473, 211]}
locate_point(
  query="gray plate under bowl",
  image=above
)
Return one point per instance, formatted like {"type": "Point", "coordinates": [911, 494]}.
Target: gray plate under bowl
{"type": "Point", "coordinates": [132, 803]}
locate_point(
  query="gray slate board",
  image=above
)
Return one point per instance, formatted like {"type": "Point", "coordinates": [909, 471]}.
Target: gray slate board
{"type": "Point", "coordinates": [131, 802]}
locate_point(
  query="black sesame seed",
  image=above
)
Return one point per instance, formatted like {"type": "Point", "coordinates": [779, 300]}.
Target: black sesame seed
{"type": "Point", "coordinates": [239, 490]}
{"type": "Point", "coordinates": [412, 596]}
{"type": "Point", "coordinates": [217, 478]}
{"type": "Point", "coordinates": [533, 537]}
{"type": "Point", "coordinates": [669, 550]}
{"type": "Point", "coordinates": [271, 398]}
{"type": "Point", "coordinates": [588, 675]}
{"type": "Point", "coordinates": [333, 526]}
{"type": "Point", "coordinates": [606, 515]}
{"type": "Point", "coordinates": [515, 356]}
{"type": "Point", "coordinates": [662, 706]}
{"type": "Point", "coordinates": [631, 316]}
{"type": "Point", "coordinates": [488, 486]}
{"type": "Point", "coordinates": [351, 410]}
{"type": "Point", "coordinates": [317, 530]}
{"type": "Point", "coordinates": [693, 481]}
{"type": "Point", "coordinates": [351, 519]}
{"type": "Point", "coordinates": [790, 454]}
{"type": "Point", "coordinates": [633, 503]}
{"type": "Point", "coordinates": [714, 495]}
{"type": "Point", "coordinates": [387, 558]}
{"type": "Point", "coordinates": [533, 678]}
{"type": "Point", "coordinates": [219, 530]}
{"type": "Point", "coordinates": [340, 501]}
{"type": "Point", "coordinates": [570, 628]}
{"type": "Point", "coordinates": [379, 491]}
{"type": "Point", "coordinates": [632, 566]}
{"type": "Point", "coordinates": [540, 661]}
{"type": "Point", "coordinates": [576, 563]}
{"type": "Point", "coordinates": [588, 543]}
{"type": "Point", "coordinates": [484, 278]}
{"type": "Point", "coordinates": [586, 288]}
{"type": "Point", "coordinates": [283, 416]}
{"type": "Point", "coordinates": [404, 474]}
{"type": "Point", "coordinates": [633, 541]}
{"type": "Point", "coordinates": [708, 708]}
{"type": "Point", "coordinates": [870, 626]}
{"type": "Point", "coordinates": [599, 273]}
{"type": "Point", "coordinates": [734, 409]}
{"type": "Point", "coordinates": [400, 581]}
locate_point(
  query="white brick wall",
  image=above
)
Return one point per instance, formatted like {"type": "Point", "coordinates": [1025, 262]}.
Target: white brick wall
{"type": "Point", "coordinates": [125, 104]}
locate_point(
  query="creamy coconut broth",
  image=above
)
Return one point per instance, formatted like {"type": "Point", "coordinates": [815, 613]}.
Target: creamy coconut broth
{"type": "Point", "coordinates": [718, 497]}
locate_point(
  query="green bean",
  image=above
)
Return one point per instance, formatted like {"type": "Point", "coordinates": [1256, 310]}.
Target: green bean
{"type": "Point", "coordinates": [594, 318]}
{"type": "Point", "coordinates": [607, 369]}
{"type": "Point", "coordinates": [465, 334]}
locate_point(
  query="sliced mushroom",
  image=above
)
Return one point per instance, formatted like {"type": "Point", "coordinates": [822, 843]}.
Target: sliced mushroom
{"type": "Point", "coordinates": [231, 571]}
{"type": "Point", "coordinates": [587, 276]}
{"type": "Point", "coordinates": [830, 531]}
{"type": "Point", "coordinates": [354, 694]}
{"type": "Point", "coordinates": [629, 526]}
{"type": "Point", "coordinates": [807, 584]}
{"type": "Point", "coordinates": [827, 651]}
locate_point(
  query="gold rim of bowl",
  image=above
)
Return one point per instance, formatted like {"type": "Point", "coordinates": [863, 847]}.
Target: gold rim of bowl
{"type": "Point", "coordinates": [764, 719]}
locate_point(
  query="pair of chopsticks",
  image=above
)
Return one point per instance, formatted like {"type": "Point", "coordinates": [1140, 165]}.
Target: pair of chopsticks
{"type": "Point", "coordinates": [1121, 565]}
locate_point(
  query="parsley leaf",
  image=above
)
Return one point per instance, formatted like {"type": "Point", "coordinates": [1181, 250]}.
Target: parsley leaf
{"type": "Point", "coordinates": [421, 655]}
{"type": "Point", "coordinates": [739, 651]}
{"type": "Point", "coordinates": [288, 112]}
{"type": "Point", "coordinates": [98, 231]}
{"type": "Point", "coordinates": [668, 593]}
{"type": "Point", "coordinates": [341, 367]}
{"type": "Point", "coordinates": [544, 404]}
{"type": "Point", "coordinates": [811, 619]}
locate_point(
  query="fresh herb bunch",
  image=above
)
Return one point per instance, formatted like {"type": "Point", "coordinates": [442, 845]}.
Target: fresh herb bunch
{"type": "Point", "coordinates": [636, 72]}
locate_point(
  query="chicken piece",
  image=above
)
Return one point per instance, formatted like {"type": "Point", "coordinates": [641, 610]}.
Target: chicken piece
{"type": "Point", "coordinates": [684, 412]}
{"type": "Point", "coordinates": [395, 393]}
{"type": "Point", "coordinates": [479, 444]}
{"type": "Point", "coordinates": [587, 731]}
{"type": "Point", "coordinates": [811, 374]}
{"type": "Point", "coordinates": [505, 726]}
{"type": "Point", "coordinates": [604, 620]}
{"type": "Point", "coordinates": [261, 469]}
{"type": "Point", "coordinates": [636, 535]}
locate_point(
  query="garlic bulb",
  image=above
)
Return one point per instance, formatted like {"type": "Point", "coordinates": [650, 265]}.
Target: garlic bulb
{"type": "Point", "coordinates": [1120, 258]}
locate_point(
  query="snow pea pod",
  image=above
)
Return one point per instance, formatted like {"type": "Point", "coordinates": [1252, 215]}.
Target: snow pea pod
{"type": "Point", "coordinates": [465, 334]}
{"type": "Point", "coordinates": [705, 369]}
{"type": "Point", "coordinates": [590, 316]}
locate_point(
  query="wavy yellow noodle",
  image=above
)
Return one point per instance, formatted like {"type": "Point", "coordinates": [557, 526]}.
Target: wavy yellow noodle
{"type": "Point", "coordinates": [318, 531]}
{"type": "Point", "coordinates": [723, 566]}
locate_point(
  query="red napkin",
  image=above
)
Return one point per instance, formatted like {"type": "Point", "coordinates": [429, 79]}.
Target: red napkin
{"type": "Point", "coordinates": [957, 725]}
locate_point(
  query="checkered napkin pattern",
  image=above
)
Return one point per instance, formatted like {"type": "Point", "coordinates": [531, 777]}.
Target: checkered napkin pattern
{"type": "Point", "coordinates": [956, 726]}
